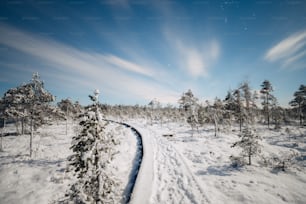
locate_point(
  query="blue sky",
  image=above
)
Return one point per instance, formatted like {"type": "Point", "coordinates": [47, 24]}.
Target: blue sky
{"type": "Point", "coordinates": [135, 51]}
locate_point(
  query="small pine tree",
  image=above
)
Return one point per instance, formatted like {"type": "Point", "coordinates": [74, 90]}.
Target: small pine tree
{"type": "Point", "coordinates": [249, 142]}
{"type": "Point", "coordinates": [93, 150]}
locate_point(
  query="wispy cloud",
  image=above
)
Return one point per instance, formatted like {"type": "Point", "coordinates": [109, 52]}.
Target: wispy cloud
{"type": "Point", "coordinates": [295, 58]}
{"type": "Point", "coordinates": [115, 75]}
{"type": "Point", "coordinates": [127, 65]}
{"type": "Point", "coordinates": [195, 59]}
{"type": "Point", "coordinates": [289, 50]}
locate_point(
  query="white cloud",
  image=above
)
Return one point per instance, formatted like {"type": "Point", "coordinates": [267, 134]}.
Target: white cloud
{"type": "Point", "coordinates": [130, 66]}
{"type": "Point", "coordinates": [195, 63]}
{"type": "Point", "coordinates": [294, 58]}
{"type": "Point", "coordinates": [289, 50]}
{"type": "Point", "coordinates": [103, 71]}
{"type": "Point", "coordinates": [63, 54]}
{"type": "Point", "coordinates": [196, 59]}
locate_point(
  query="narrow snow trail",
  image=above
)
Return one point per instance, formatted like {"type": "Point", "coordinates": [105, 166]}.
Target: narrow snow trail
{"type": "Point", "coordinates": [137, 162]}
{"type": "Point", "coordinates": [172, 181]}
{"type": "Point", "coordinates": [143, 186]}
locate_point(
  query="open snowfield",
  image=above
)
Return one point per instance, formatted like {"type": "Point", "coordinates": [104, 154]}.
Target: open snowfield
{"type": "Point", "coordinates": [178, 169]}
{"type": "Point", "coordinates": [39, 179]}
{"type": "Point", "coordinates": [197, 169]}
{"type": "Point", "coordinates": [43, 178]}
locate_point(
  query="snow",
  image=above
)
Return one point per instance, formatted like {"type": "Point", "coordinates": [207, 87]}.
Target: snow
{"type": "Point", "coordinates": [177, 169]}
{"type": "Point", "coordinates": [43, 178]}
{"type": "Point", "coordinates": [122, 163]}
{"type": "Point", "coordinates": [197, 169]}
{"type": "Point", "coordinates": [143, 185]}
{"type": "Point", "coordinates": [39, 179]}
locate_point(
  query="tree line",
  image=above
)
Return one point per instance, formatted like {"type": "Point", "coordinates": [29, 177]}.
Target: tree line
{"type": "Point", "coordinates": [30, 105]}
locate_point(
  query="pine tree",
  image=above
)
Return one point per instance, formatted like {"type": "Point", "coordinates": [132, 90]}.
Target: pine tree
{"type": "Point", "coordinates": [215, 113]}
{"type": "Point", "coordinates": [202, 115]}
{"type": "Point", "coordinates": [246, 93]}
{"type": "Point", "coordinates": [267, 98]}
{"type": "Point", "coordinates": [277, 113]}
{"type": "Point", "coordinates": [93, 150]}
{"type": "Point", "coordinates": [299, 101]}
{"type": "Point", "coordinates": [2, 122]}
{"type": "Point", "coordinates": [17, 103]}
{"type": "Point", "coordinates": [28, 102]}
{"type": "Point", "coordinates": [229, 107]}
{"type": "Point", "coordinates": [249, 142]}
{"type": "Point", "coordinates": [154, 107]}
{"type": "Point", "coordinates": [189, 103]}
{"type": "Point", "coordinates": [69, 110]}
{"type": "Point", "coordinates": [248, 101]}
{"type": "Point", "coordinates": [229, 101]}
{"type": "Point", "coordinates": [239, 109]}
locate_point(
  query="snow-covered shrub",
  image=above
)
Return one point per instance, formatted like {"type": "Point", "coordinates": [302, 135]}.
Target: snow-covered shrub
{"type": "Point", "coordinates": [237, 162]}
{"type": "Point", "coordinates": [249, 142]}
{"type": "Point", "coordinates": [283, 162]}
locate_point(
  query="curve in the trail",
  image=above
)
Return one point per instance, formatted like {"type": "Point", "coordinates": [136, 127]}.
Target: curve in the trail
{"type": "Point", "coordinates": [136, 162]}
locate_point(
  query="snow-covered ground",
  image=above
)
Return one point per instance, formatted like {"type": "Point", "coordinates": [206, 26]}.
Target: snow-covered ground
{"type": "Point", "coordinates": [197, 169]}
{"type": "Point", "coordinates": [43, 178]}
{"type": "Point", "coordinates": [122, 164]}
{"type": "Point", "coordinates": [178, 169]}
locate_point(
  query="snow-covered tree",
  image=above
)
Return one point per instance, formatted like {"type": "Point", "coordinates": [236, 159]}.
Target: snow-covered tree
{"type": "Point", "coordinates": [188, 100]}
{"type": "Point", "coordinates": [229, 107]}
{"type": "Point", "coordinates": [266, 89]}
{"type": "Point", "coordinates": [277, 113]}
{"type": "Point", "coordinates": [215, 113]}
{"type": "Point", "coordinates": [28, 102]}
{"type": "Point", "coordinates": [2, 122]}
{"type": "Point", "coordinates": [239, 108]}
{"type": "Point", "coordinates": [69, 110]}
{"type": "Point", "coordinates": [299, 102]}
{"type": "Point", "coordinates": [93, 149]}
{"type": "Point", "coordinates": [229, 101]}
{"type": "Point", "coordinates": [249, 142]}
{"type": "Point", "coordinates": [154, 107]}
{"type": "Point", "coordinates": [39, 104]}
{"type": "Point", "coordinates": [202, 115]}
{"type": "Point", "coordinates": [189, 103]}
{"type": "Point", "coordinates": [67, 106]}
{"type": "Point", "coordinates": [17, 105]}
{"type": "Point", "coordinates": [249, 103]}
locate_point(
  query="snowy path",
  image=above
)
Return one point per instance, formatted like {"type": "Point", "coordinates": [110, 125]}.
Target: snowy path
{"type": "Point", "coordinates": [174, 181]}
{"type": "Point", "coordinates": [137, 161]}
{"type": "Point", "coordinates": [169, 178]}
